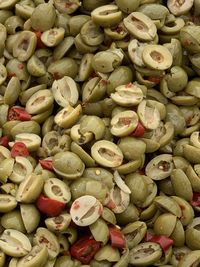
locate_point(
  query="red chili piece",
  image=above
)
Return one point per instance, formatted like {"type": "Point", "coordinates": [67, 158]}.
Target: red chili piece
{"type": "Point", "coordinates": [154, 79]}
{"type": "Point", "coordinates": [40, 44]}
{"type": "Point", "coordinates": [19, 149]}
{"type": "Point", "coordinates": [116, 237]}
{"type": "Point", "coordinates": [4, 141]}
{"type": "Point", "coordinates": [19, 114]}
{"type": "Point", "coordinates": [85, 249]}
{"type": "Point", "coordinates": [46, 164]}
{"type": "Point", "coordinates": [111, 205]}
{"type": "Point", "coordinates": [49, 206]}
{"type": "Point", "coordinates": [196, 200]}
{"type": "Point", "coordinates": [164, 241]}
{"type": "Point", "coordinates": [56, 76]}
{"type": "Point", "coordinates": [139, 131]}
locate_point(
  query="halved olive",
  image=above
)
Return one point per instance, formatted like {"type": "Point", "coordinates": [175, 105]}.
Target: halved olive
{"type": "Point", "coordinates": [53, 36]}
{"type": "Point", "coordinates": [149, 116]}
{"type": "Point", "coordinates": [56, 189]}
{"type": "Point", "coordinates": [14, 243]}
{"type": "Point", "coordinates": [107, 154]}
{"type": "Point", "coordinates": [44, 238]}
{"type": "Point", "coordinates": [106, 15]}
{"type": "Point", "coordinates": [124, 123]}
{"type": "Point", "coordinates": [39, 102]}
{"type": "Point", "coordinates": [157, 57]}
{"type": "Point", "coordinates": [145, 254]}
{"type": "Point", "coordinates": [160, 167]}
{"type": "Point", "coordinates": [68, 116]}
{"type": "Point", "coordinates": [140, 26]}
{"type": "Point", "coordinates": [21, 169]}
{"type": "Point", "coordinates": [36, 257]}
{"type": "Point", "coordinates": [85, 210]}
{"type": "Point", "coordinates": [25, 45]}
{"type": "Point", "coordinates": [65, 91]}
{"type": "Point", "coordinates": [127, 95]}
{"type": "Point", "coordinates": [178, 8]}
{"type": "Point", "coordinates": [68, 165]}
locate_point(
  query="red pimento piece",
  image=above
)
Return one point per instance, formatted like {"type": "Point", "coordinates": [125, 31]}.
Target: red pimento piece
{"type": "Point", "coordinates": [164, 241]}
{"type": "Point", "coordinates": [49, 206]}
{"type": "Point", "coordinates": [46, 164]}
{"type": "Point", "coordinates": [40, 44]}
{"type": "Point", "coordinates": [20, 66]}
{"type": "Point", "coordinates": [195, 200]}
{"type": "Point", "coordinates": [139, 130]}
{"type": "Point", "coordinates": [4, 140]}
{"type": "Point", "coordinates": [19, 114]}
{"type": "Point", "coordinates": [85, 249]}
{"type": "Point", "coordinates": [116, 237]}
{"type": "Point", "coordinates": [129, 85]}
{"type": "Point", "coordinates": [111, 205]}
{"type": "Point", "coordinates": [19, 149]}
{"type": "Point", "coordinates": [154, 79]}
{"type": "Point", "coordinates": [56, 76]}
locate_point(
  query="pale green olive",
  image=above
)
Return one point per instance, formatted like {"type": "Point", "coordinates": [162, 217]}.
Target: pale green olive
{"type": "Point", "coordinates": [65, 91]}
{"type": "Point", "coordinates": [145, 254]}
{"type": "Point", "coordinates": [85, 210]}
{"type": "Point", "coordinates": [127, 95]}
{"type": "Point", "coordinates": [106, 15]}
{"type": "Point", "coordinates": [30, 211]}
{"type": "Point", "coordinates": [25, 45]}
{"type": "Point", "coordinates": [53, 36]}
{"type": "Point", "coordinates": [140, 26]}
{"type": "Point", "coordinates": [149, 116]}
{"type": "Point", "coordinates": [68, 165]}
{"type": "Point", "coordinates": [59, 223]}
{"type": "Point", "coordinates": [44, 238]}
{"type": "Point", "coordinates": [124, 123]}
{"type": "Point", "coordinates": [14, 243]}
{"type": "Point", "coordinates": [179, 8]}
{"type": "Point", "coordinates": [36, 257]}
{"type": "Point", "coordinates": [107, 154]}
{"type": "Point", "coordinates": [30, 188]}
{"type": "Point", "coordinates": [68, 116]}
{"type": "Point", "coordinates": [100, 231]}
{"type": "Point", "coordinates": [56, 189]}
{"type": "Point", "coordinates": [107, 253]}
{"type": "Point", "coordinates": [7, 203]}
{"type": "Point", "coordinates": [21, 169]}
{"type": "Point", "coordinates": [13, 220]}
{"type": "Point", "coordinates": [157, 57]}
{"type": "Point", "coordinates": [39, 102]}
{"type": "Point", "coordinates": [32, 141]}
{"type": "Point", "coordinates": [160, 167]}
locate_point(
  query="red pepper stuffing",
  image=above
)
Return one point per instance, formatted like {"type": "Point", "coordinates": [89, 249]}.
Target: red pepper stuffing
{"type": "Point", "coordinates": [19, 114]}
{"type": "Point", "coordinates": [49, 206]}
{"type": "Point", "coordinates": [154, 79]}
{"type": "Point", "coordinates": [12, 74]}
{"type": "Point", "coordinates": [164, 241]}
{"type": "Point", "coordinates": [129, 85]}
{"type": "Point", "coordinates": [139, 131]}
{"type": "Point", "coordinates": [111, 205]}
{"type": "Point", "coordinates": [20, 66]}
{"type": "Point", "coordinates": [56, 76]}
{"type": "Point", "coordinates": [4, 141]}
{"type": "Point", "coordinates": [196, 200]}
{"type": "Point", "coordinates": [46, 164]}
{"type": "Point", "coordinates": [40, 44]}
{"type": "Point", "coordinates": [116, 237]}
{"type": "Point", "coordinates": [19, 149]}
{"type": "Point", "coordinates": [85, 249]}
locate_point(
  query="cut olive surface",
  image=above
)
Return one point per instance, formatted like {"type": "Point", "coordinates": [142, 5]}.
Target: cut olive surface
{"type": "Point", "coordinates": [99, 133]}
